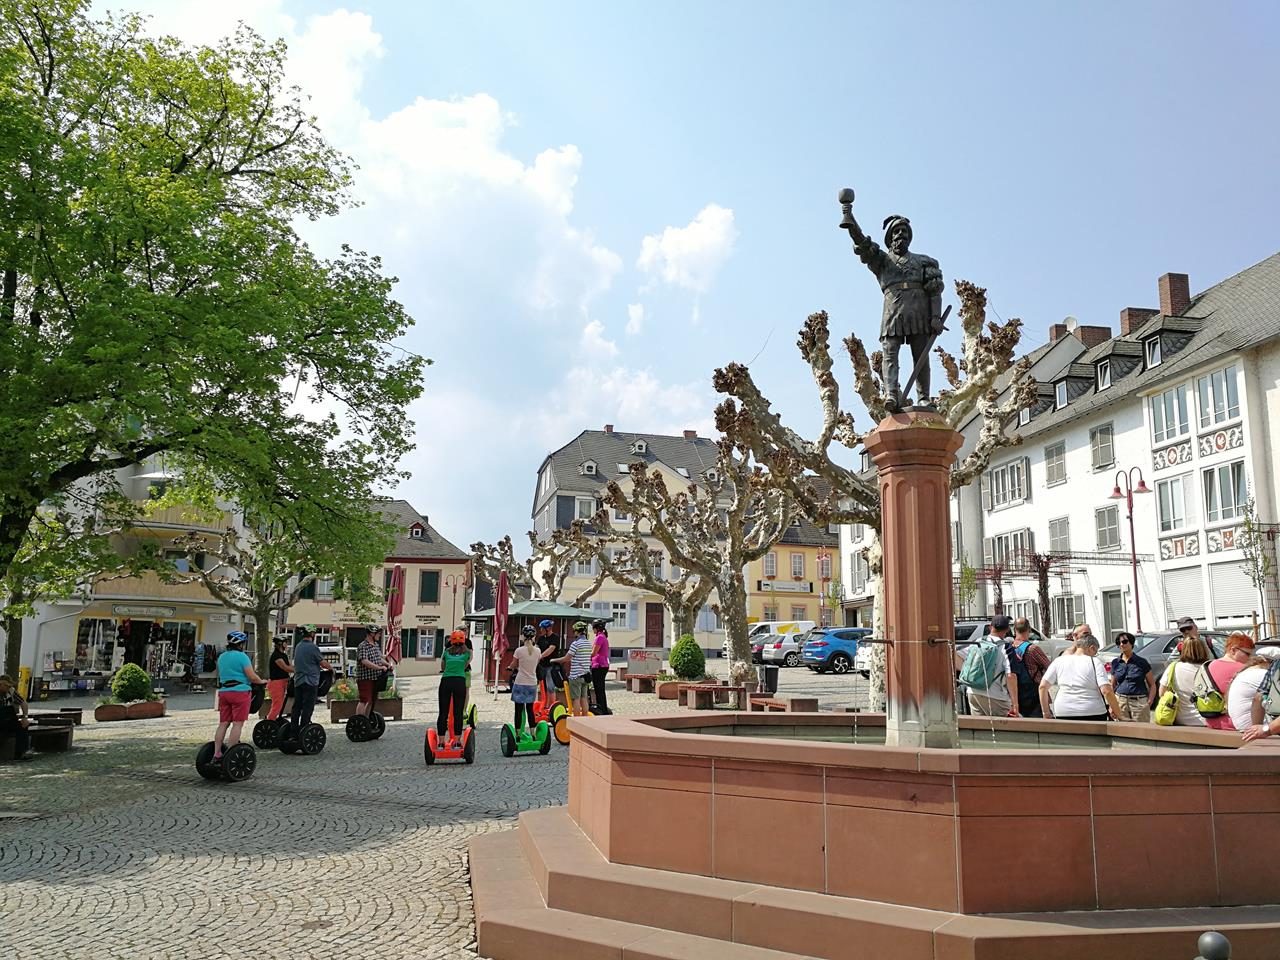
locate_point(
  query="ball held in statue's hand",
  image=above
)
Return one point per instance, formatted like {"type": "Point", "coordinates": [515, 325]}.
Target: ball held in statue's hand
{"type": "Point", "coordinates": [846, 195]}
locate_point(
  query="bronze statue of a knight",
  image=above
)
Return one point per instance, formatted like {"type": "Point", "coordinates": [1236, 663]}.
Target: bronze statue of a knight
{"type": "Point", "coordinates": [912, 287]}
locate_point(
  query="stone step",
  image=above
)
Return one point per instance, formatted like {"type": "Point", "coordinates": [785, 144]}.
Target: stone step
{"type": "Point", "coordinates": [513, 922]}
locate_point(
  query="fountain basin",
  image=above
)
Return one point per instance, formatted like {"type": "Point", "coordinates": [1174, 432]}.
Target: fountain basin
{"type": "Point", "coordinates": [1052, 816]}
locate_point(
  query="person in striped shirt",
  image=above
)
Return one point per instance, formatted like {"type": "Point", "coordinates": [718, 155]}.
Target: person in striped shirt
{"type": "Point", "coordinates": [578, 658]}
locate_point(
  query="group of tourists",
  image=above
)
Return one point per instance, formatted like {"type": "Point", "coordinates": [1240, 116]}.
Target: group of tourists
{"type": "Point", "coordinates": [1006, 674]}
{"type": "Point", "coordinates": [543, 658]}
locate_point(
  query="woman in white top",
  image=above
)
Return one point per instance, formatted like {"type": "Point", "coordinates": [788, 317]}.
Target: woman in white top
{"type": "Point", "coordinates": [1244, 691]}
{"type": "Point", "coordinates": [1181, 675]}
{"type": "Point", "coordinates": [1084, 689]}
{"type": "Point", "coordinates": [524, 686]}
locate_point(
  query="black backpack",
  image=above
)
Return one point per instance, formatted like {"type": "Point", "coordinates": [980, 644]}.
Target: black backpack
{"type": "Point", "coordinates": [1028, 692]}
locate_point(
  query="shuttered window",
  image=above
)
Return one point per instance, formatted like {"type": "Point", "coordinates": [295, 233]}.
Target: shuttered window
{"type": "Point", "coordinates": [1184, 594]}
{"type": "Point", "coordinates": [1234, 596]}
{"type": "Point", "coordinates": [429, 587]}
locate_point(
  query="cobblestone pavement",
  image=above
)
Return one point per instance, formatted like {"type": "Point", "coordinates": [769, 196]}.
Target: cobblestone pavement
{"type": "Point", "coordinates": [119, 850]}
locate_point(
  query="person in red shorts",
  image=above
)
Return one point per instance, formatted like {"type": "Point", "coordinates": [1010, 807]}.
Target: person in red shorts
{"type": "Point", "coordinates": [371, 669]}
{"type": "Point", "coordinates": [235, 677]}
{"type": "Point", "coordinates": [278, 677]}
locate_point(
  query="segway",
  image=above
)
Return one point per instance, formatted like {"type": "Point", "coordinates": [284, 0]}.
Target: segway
{"type": "Point", "coordinates": [454, 747]}
{"type": "Point", "coordinates": [361, 728]}
{"type": "Point", "coordinates": [521, 740]}
{"type": "Point", "coordinates": [547, 708]}
{"type": "Point", "coordinates": [240, 761]}
{"type": "Point", "coordinates": [311, 739]}
{"type": "Point", "coordinates": [561, 724]}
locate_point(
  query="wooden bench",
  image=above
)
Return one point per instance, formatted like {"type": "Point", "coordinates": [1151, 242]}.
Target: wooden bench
{"type": "Point", "coordinates": [682, 691]}
{"type": "Point", "coordinates": [51, 739]}
{"type": "Point", "coordinates": [641, 683]}
{"type": "Point", "coordinates": [63, 715]}
{"type": "Point", "coordinates": [783, 704]}
{"type": "Point", "coordinates": [704, 696]}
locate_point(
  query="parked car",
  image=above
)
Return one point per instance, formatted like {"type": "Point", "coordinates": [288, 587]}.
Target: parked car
{"type": "Point", "coordinates": [1160, 648]}
{"type": "Point", "coordinates": [971, 631]}
{"type": "Point", "coordinates": [760, 632]}
{"type": "Point", "coordinates": [832, 648]}
{"type": "Point", "coordinates": [784, 649]}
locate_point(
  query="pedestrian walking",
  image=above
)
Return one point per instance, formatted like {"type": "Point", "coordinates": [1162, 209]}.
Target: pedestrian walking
{"type": "Point", "coordinates": [1084, 691]}
{"type": "Point", "coordinates": [1135, 684]}
{"type": "Point", "coordinates": [600, 665]}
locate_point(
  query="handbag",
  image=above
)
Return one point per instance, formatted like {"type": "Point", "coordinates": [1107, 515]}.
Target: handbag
{"type": "Point", "coordinates": [1166, 711]}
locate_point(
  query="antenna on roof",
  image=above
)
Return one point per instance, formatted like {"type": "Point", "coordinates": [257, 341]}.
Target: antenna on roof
{"type": "Point", "coordinates": [1072, 324]}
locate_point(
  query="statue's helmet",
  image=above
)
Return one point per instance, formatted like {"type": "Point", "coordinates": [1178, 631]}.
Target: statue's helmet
{"type": "Point", "coordinates": [894, 221]}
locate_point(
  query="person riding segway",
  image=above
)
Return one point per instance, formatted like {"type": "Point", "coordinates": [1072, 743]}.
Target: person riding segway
{"type": "Point", "coordinates": [266, 732]}
{"type": "Point", "coordinates": [225, 757]}
{"type": "Point", "coordinates": [452, 738]}
{"type": "Point", "coordinates": [312, 677]}
{"type": "Point", "coordinates": [525, 735]}
{"type": "Point", "coordinates": [372, 671]}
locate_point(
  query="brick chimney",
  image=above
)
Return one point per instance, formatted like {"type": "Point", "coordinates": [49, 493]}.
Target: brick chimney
{"type": "Point", "coordinates": [691, 434]}
{"type": "Point", "coordinates": [1131, 318]}
{"type": "Point", "coordinates": [1057, 331]}
{"type": "Point", "coordinates": [1175, 294]}
{"type": "Point", "coordinates": [1092, 336]}
{"type": "Point", "coordinates": [608, 428]}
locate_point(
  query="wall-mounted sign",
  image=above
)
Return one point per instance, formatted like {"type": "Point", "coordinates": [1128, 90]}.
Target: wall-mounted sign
{"type": "Point", "coordinates": [428, 618]}
{"type": "Point", "coordinates": [784, 586]}
{"type": "Point", "coordinates": [219, 618]}
{"type": "Point", "coordinates": [123, 610]}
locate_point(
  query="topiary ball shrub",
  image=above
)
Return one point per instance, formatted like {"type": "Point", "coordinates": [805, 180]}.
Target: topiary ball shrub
{"type": "Point", "coordinates": [688, 662]}
{"type": "Point", "coordinates": [131, 683]}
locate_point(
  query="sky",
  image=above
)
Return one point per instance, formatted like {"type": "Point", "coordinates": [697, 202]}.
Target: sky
{"type": "Point", "coordinates": [591, 206]}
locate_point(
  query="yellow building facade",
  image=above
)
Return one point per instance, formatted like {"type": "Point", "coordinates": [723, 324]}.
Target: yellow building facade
{"type": "Point", "coordinates": [794, 579]}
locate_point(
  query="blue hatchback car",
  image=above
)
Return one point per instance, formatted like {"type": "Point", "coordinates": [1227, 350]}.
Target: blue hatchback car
{"type": "Point", "coordinates": [832, 648]}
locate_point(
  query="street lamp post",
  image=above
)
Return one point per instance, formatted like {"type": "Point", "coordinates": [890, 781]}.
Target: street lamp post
{"type": "Point", "coordinates": [824, 578]}
{"type": "Point", "coordinates": [1126, 494]}
{"type": "Point", "coordinates": [455, 580]}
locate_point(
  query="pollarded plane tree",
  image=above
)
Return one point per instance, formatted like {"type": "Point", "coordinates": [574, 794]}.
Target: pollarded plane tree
{"type": "Point", "coordinates": [986, 385]}
{"type": "Point", "coordinates": [714, 530]}
{"type": "Point", "coordinates": [549, 565]}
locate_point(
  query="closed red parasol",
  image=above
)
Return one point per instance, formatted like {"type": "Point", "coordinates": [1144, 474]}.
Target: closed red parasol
{"type": "Point", "coordinates": [501, 602]}
{"type": "Point", "coordinates": [395, 609]}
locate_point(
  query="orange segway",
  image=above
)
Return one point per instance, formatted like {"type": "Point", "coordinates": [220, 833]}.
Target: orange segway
{"type": "Point", "coordinates": [453, 747]}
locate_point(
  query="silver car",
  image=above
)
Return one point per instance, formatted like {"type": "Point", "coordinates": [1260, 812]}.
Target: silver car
{"type": "Point", "coordinates": [1160, 648]}
{"type": "Point", "coordinates": [782, 648]}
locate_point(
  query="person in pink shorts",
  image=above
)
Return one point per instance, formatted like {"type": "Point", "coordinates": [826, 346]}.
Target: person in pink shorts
{"type": "Point", "coordinates": [235, 679]}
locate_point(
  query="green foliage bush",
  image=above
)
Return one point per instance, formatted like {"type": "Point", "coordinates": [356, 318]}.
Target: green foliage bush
{"type": "Point", "coordinates": [688, 662]}
{"type": "Point", "coordinates": [344, 689]}
{"type": "Point", "coordinates": [131, 683]}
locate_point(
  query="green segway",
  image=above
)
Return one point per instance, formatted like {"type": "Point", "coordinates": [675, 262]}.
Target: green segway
{"type": "Point", "coordinates": [521, 740]}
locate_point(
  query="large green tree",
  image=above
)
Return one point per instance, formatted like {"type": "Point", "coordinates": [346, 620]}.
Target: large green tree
{"type": "Point", "coordinates": [154, 293]}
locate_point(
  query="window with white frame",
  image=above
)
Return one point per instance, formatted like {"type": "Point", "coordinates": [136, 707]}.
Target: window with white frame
{"type": "Point", "coordinates": [1169, 414]}
{"type": "Point", "coordinates": [1104, 374]}
{"type": "Point", "coordinates": [1060, 535]}
{"type": "Point", "coordinates": [544, 482]}
{"type": "Point", "coordinates": [799, 611]}
{"type": "Point", "coordinates": [858, 531]}
{"type": "Point", "coordinates": [1219, 397]}
{"type": "Point", "coordinates": [1068, 612]}
{"type": "Point", "coordinates": [621, 615]}
{"type": "Point", "coordinates": [824, 567]}
{"type": "Point", "coordinates": [1026, 608]}
{"type": "Point", "coordinates": [589, 468]}
{"type": "Point", "coordinates": [1055, 463]}
{"type": "Point", "coordinates": [324, 589]}
{"type": "Point", "coordinates": [1008, 484]}
{"type": "Point", "coordinates": [586, 508]}
{"type": "Point", "coordinates": [1173, 502]}
{"type": "Point", "coordinates": [1024, 416]}
{"type": "Point", "coordinates": [1008, 549]}
{"type": "Point", "coordinates": [655, 561]}
{"type": "Point", "coordinates": [620, 515]}
{"type": "Point", "coordinates": [1226, 494]}
{"type": "Point", "coordinates": [1102, 444]}
{"type": "Point", "coordinates": [584, 568]}
{"type": "Point", "coordinates": [1060, 394]}
{"type": "Point", "coordinates": [675, 572]}
{"type": "Point", "coordinates": [824, 616]}
{"type": "Point", "coordinates": [859, 572]}
{"type": "Point", "coordinates": [770, 564]}
{"type": "Point", "coordinates": [957, 547]}
{"type": "Point", "coordinates": [797, 565]}
{"type": "Point", "coordinates": [864, 462]}
{"type": "Point", "coordinates": [1153, 352]}
{"type": "Point", "coordinates": [770, 613]}
{"type": "Point", "coordinates": [1107, 520]}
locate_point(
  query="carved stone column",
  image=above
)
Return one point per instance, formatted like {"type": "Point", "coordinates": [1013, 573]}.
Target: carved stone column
{"type": "Point", "coordinates": [913, 453]}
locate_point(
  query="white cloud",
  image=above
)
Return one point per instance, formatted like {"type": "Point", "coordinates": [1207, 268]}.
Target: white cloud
{"type": "Point", "coordinates": [692, 255]}
{"type": "Point", "coordinates": [635, 318]}
{"type": "Point", "coordinates": [594, 343]}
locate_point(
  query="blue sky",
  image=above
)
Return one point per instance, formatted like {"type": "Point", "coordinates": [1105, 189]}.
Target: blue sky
{"type": "Point", "coordinates": [514, 157]}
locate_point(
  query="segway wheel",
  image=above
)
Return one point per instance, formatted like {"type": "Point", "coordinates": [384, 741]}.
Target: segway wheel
{"type": "Point", "coordinates": [287, 737]}
{"type": "Point", "coordinates": [239, 762]}
{"type": "Point", "coordinates": [312, 739]}
{"type": "Point", "coordinates": [561, 730]}
{"type": "Point", "coordinates": [471, 716]}
{"type": "Point", "coordinates": [557, 712]}
{"type": "Point", "coordinates": [543, 736]}
{"type": "Point", "coordinates": [379, 725]}
{"type": "Point", "coordinates": [205, 765]}
{"type": "Point", "coordinates": [358, 729]}
{"type": "Point", "coordinates": [507, 740]}
{"type": "Point", "coordinates": [428, 747]}
{"type": "Point", "coordinates": [469, 748]}
{"type": "Point", "coordinates": [264, 734]}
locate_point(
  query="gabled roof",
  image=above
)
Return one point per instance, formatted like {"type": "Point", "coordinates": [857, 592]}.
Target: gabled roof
{"type": "Point", "coordinates": [612, 453]}
{"type": "Point", "coordinates": [430, 546]}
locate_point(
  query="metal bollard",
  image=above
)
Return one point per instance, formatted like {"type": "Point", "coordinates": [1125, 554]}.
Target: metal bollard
{"type": "Point", "coordinates": [1214, 946]}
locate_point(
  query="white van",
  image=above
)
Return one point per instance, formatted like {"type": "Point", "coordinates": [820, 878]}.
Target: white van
{"type": "Point", "coordinates": [758, 632]}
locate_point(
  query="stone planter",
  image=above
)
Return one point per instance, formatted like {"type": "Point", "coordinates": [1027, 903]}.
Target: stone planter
{"type": "Point", "coordinates": [340, 711]}
{"type": "Point", "coordinates": [667, 689]}
{"type": "Point", "coordinates": [110, 712]}
{"type": "Point", "coordinates": [145, 710]}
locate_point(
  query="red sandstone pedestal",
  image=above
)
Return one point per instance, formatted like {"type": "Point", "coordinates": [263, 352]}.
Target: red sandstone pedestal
{"type": "Point", "coordinates": [913, 453]}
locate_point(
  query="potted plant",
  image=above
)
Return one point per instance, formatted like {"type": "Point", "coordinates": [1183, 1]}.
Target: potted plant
{"type": "Point", "coordinates": [132, 697]}
{"type": "Point", "coordinates": [344, 695]}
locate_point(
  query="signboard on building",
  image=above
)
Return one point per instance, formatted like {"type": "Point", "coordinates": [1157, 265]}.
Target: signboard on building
{"type": "Point", "coordinates": [428, 618]}
{"type": "Point", "coordinates": [784, 586]}
{"type": "Point", "coordinates": [219, 618]}
{"type": "Point", "coordinates": [645, 661]}
{"type": "Point", "coordinates": [123, 610]}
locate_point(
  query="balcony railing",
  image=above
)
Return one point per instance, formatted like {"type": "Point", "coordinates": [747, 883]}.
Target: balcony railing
{"type": "Point", "coordinates": [185, 518]}
{"type": "Point", "coordinates": [149, 585]}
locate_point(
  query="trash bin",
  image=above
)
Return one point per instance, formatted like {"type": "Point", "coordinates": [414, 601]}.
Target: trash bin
{"type": "Point", "coordinates": [769, 678]}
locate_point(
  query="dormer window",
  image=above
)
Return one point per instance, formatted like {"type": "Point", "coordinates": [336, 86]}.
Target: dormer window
{"type": "Point", "coordinates": [588, 469]}
{"type": "Point", "coordinates": [1153, 352]}
{"type": "Point", "coordinates": [639, 446]}
{"type": "Point", "coordinates": [1024, 416]}
{"type": "Point", "coordinates": [1060, 394]}
{"type": "Point", "coordinates": [683, 471]}
{"type": "Point", "coordinates": [1104, 374]}
{"type": "Point", "coordinates": [713, 476]}
{"type": "Point", "coordinates": [415, 532]}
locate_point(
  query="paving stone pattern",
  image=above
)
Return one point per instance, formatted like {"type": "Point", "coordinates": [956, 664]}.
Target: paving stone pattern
{"type": "Point", "coordinates": [119, 850]}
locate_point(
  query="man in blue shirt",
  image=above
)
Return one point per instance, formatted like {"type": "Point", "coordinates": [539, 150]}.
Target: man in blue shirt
{"type": "Point", "coordinates": [307, 664]}
{"type": "Point", "coordinates": [1135, 686]}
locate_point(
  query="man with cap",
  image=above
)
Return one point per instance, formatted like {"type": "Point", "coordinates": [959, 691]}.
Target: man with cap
{"type": "Point", "coordinates": [1001, 698]}
{"type": "Point", "coordinates": [912, 287]}
{"type": "Point", "coordinates": [235, 679]}
{"type": "Point", "coordinates": [549, 647]}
